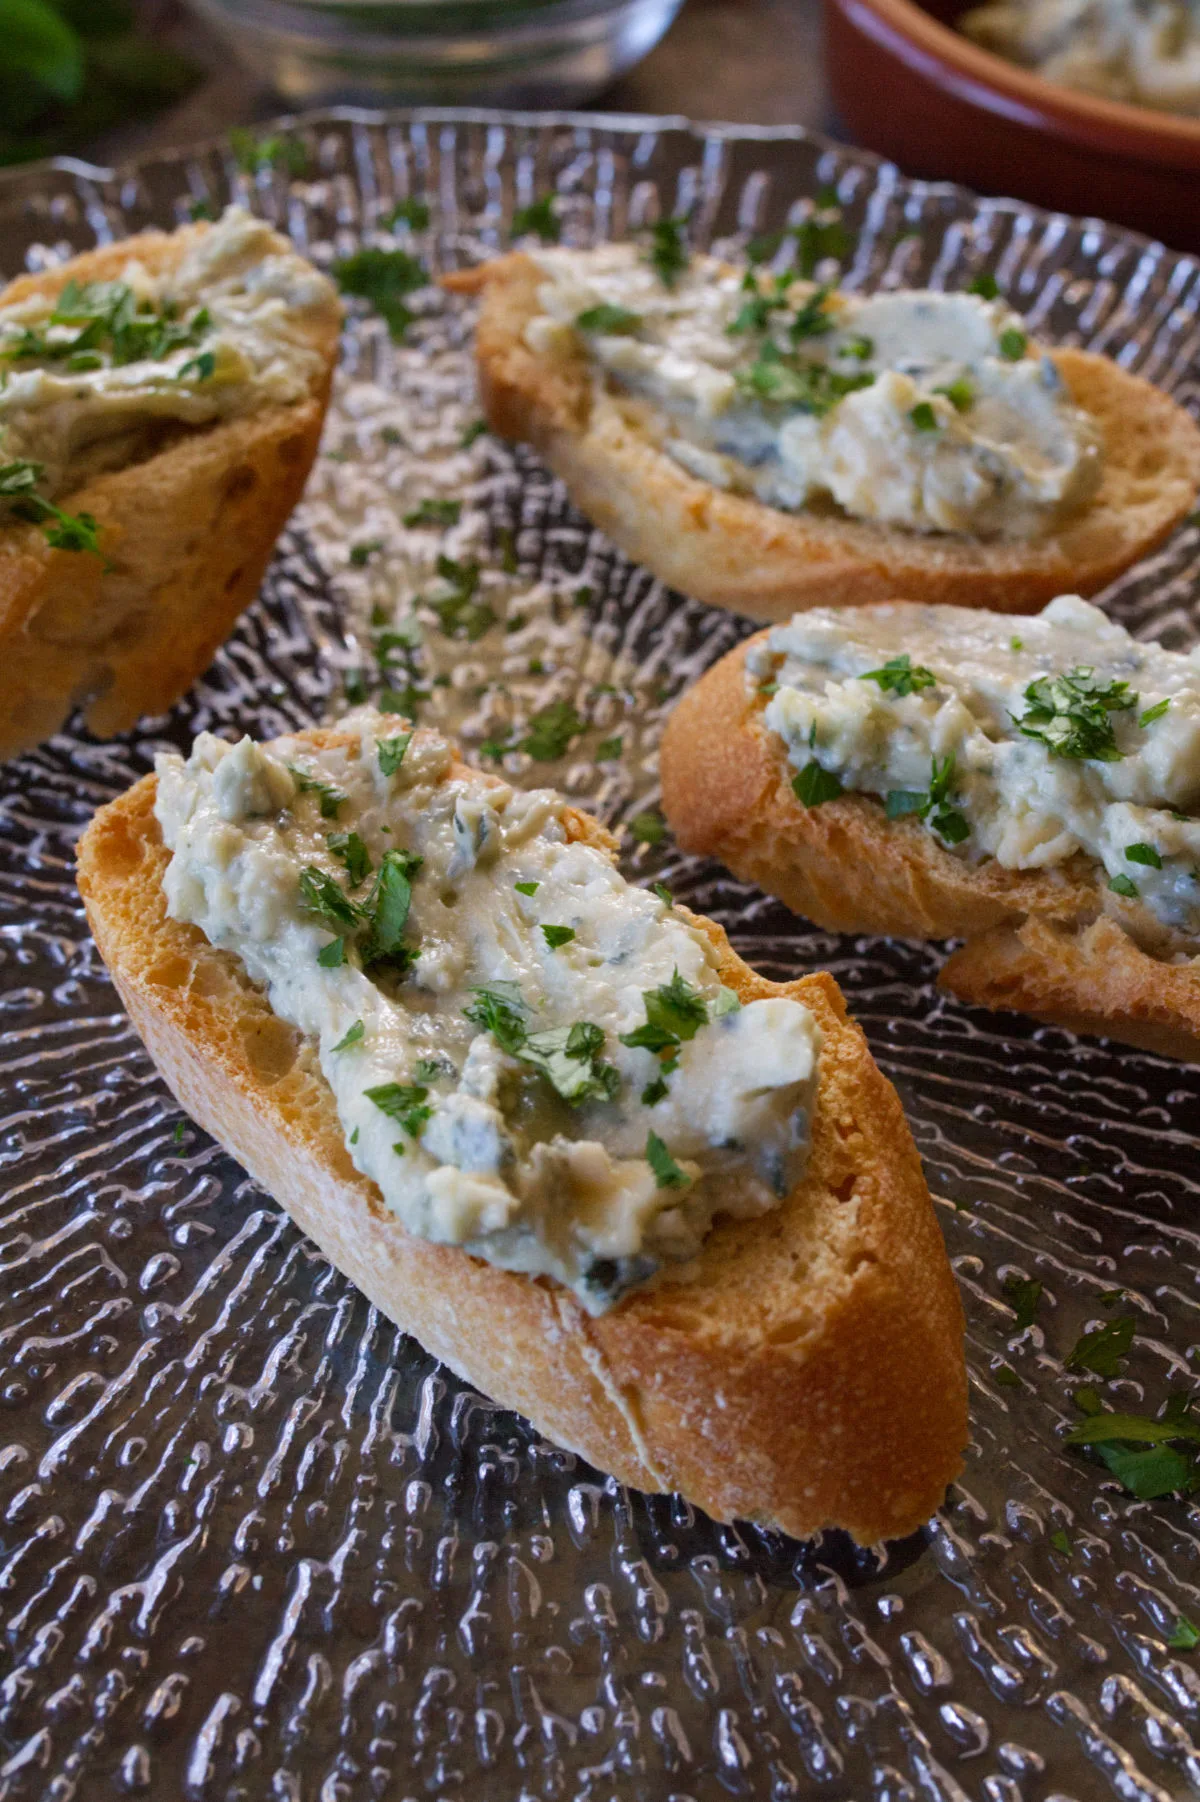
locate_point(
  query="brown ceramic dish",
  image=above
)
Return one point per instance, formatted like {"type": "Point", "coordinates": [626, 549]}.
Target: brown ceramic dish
{"type": "Point", "coordinates": [908, 85]}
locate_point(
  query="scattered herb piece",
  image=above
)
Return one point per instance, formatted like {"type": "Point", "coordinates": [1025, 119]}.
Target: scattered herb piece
{"type": "Point", "coordinates": [900, 676]}
{"type": "Point", "coordinates": [811, 320]}
{"type": "Point", "coordinates": [361, 554]}
{"type": "Point", "coordinates": [934, 804]}
{"type": "Point", "coordinates": [329, 798]}
{"type": "Point", "coordinates": [1013, 344]}
{"type": "Point", "coordinates": [509, 561]}
{"type": "Point", "coordinates": [1007, 1377]}
{"type": "Point", "coordinates": [201, 367]}
{"type": "Point", "coordinates": [402, 1101]}
{"type": "Point", "coordinates": [459, 613]}
{"type": "Point", "coordinates": [1184, 1637]}
{"type": "Point", "coordinates": [333, 955]}
{"type": "Point", "coordinates": [1069, 714]}
{"type": "Point", "coordinates": [923, 417]}
{"type": "Point", "coordinates": [786, 382]}
{"type": "Point", "coordinates": [667, 1173]}
{"type": "Point", "coordinates": [860, 347]}
{"type": "Point", "coordinates": [540, 218]}
{"type": "Point", "coordinates": [1103, 1351]}
{"type": "Point", "coordinates": [821, 240]}
{"type": "Point", "coordinates": [201, 209]}
{"type": "Point", "coordinates": [1016, 644]}
{"type": "Point", "coordinates": [411, 212]}
{"type": "Point", "coordinates": [654, 1092]}
{"type": "Point", "coordinates": [1024, 1294]}
{"type": "Point", "coordinates": [648, 828]}
{"type": "Point", "coordinates": [391, 752]}
{"type": "Point", "coordinates": [985, 285]}
{"type": "Point", "coordinates": [569, 1056]}
{"type": "Point", "coordinates": [959, 393]}
{"type": "Point", "coordinates": [608, 318]}
{"type": "Point", "coordinates": [428, 1069]}
{"type": "Point", "coordinates": [476, 429]}
{"type": "Point", "coordinates": [350, 850]}
{"type": "Point", "coordinates": [1123, 885]}
{"type": "Point", "coordinates": [177, 1135]}
{"type": "Point", "coordinates": [608, 750]}
{"type": "Point", "coordinates": [434, 513]}
{"type": "Point", "coordinates": [1154, 713]}
{"type": "Point", "coordinates": [582, 596]}
{"type": "Point", "coordinates": [556, 936]}
{"type": "Point", "coordinates": [1144, 854]}
{"type": "Point", "coordinates": [354, 1036]}
{"type": "Point", "coordinates": [253, 153]}
{"type": "Point", "coordinates": [668, 255]}
{"type": "Point", "coordinates": [527, 888]}
{"type": "Point", "coordinates": [814, 785]}
{"type": "Point", "coordinates": [386, 912]}
{"type": "Point", "coordinates": [383, 278]}
{"type": "Point", "coordinates": [500, 1009]}
{"type": "Point", "coordinates": [63, 531]}
{"type": "Point", "coordinates": [550, 731]}
{"type": "Point", "coordinates": [675, 1012]}
{"type": "Point", "coordinates": [1061, 1543]}
{"type": "Point", "coordinates": [323, 897]}
{"type": "Point", "coordinates": [664, 894]}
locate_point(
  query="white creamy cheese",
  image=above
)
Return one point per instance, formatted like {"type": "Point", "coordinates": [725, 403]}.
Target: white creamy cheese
{"type": "Point", "coordinates": [919, 409]}
{"type": "Point", "coordinates": [597, 1172]}
{"type": "Point", "coordinates": [1107, 763]}
{"type": "Point", "coordinates": [80, 378]}
{"type": "Point", "coordinates": [1145, 51]}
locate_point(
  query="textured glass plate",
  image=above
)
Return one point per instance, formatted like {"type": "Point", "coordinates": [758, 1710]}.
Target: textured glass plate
{"type": "Point", "coordinates": [253, 1542]}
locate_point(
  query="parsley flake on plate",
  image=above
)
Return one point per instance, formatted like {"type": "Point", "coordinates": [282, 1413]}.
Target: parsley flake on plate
{"type": "Point", "coordinates": [668, 254]}
{"type": "Point", "coordinates": [538, 218]}
{"type": "Point", "coordinates": [1070, 714]}
{"type": "Point", "coordinates": [383, 278]}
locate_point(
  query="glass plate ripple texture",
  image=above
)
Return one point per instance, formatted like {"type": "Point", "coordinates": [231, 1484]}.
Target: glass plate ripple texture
{"type": "Point", "coordinates": [253, 1542]}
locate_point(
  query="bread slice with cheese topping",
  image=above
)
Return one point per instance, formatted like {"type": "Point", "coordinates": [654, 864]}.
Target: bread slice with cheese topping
{"type": "Point", "coordinates": [805, 1370]}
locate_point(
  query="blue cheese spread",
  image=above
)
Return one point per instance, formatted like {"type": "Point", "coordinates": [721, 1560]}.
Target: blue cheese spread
{"type": "Point", "coordinates": [86, 375]}
{"type": "Point", "coordinates": [1023, 740]}
{"type": "Point", "coordinates": [1144, 51]}
{"type": "Point", "coordinates": [533, 1058]}
{"type": "Point", "coordinates": [925, 410]}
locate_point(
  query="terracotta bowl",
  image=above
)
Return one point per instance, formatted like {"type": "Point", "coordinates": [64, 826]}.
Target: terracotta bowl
{"type": "Point", "coordinates": [910, 87]}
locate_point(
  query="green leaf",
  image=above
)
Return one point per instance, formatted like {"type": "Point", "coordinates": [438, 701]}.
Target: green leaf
{"type": "Point", "coordinates": [985, 285]}
{"type": "Point", "coordinates": [654, 1092]}
{"type": "Point", "coordinates": [527, 888]}
{"type": "Point", "coordinates": [1104, 1350]}
{"type": "Point", "coordinates": [609, 750]}
{"type": "Point", "coordinates": [201, 368]}
{"type": "Point", "coordinates": [1149, 1474]}
{"type": "Point", "coordinates": [434, 513]}
{"type": "Point", "coordinates": [1133, 1429]}
{"type": "Point", "coordinates": [391, 752]}
{"type": "Point", "coordinates": [813, 785]}
{"type": "Point", "coordinates": [402, 1101]}
{"type": "Point", "coordinates": [1069, 714]}
{"type": "Point", "coordinates": [1013, 344]}
{"type": "Point", "coordinates": [1123, 885]}
{"type": "Point", "coordinates": [900, 676]}
{"type": "Point", "coordinates": [73, 532]}
{"type": "Point", "coordinates": [429, 1069]}
{"type": "Point", "coordinates": [607, 318]}
{"type": "Point", "coordinates": [551, 730]}
{"type": "Point", "coordinates": [675, 1012]}
{"type": "Point", "coordinates": [901, 801]}
{"type": "Point", "coordinates": [538, 218]}
{"type": "Point", "coordinates": [361, 553]}
{"type": "Point", "coordinates": [1023, 1294]}
{"type": "Point", "coordinates": [923, 417]}
{"type": "Point", "coordinates": [569, 1057]}
{"type": "Point", "coordinates": [667, 1173]}
{"type": "Point", "coordinates": [959, 393]}
{"type": "Point", "coordinates": [648, 828]}
{"type": "Point", "coordinates": [350, 850]}
{"type": "Point", "coordinates": [668, 255]}
{"type": "Point", "coordinates": [500, 1009]}
{"type": "Point", "coordinates": [1184, 1637]}
{"type": "Point", "coordinates": [1061, 1543]}
{"type": "Point", "coordinates": [387, 909]}
{"type": "Point", "coordinates": [411, 212]}
{"type": "Point", "coordinates": [477, 429]}
{"type": "Point", "coordinates": [1144, 854]}
{"type": "Point", "coordinates": [353, 1036]}
{"type": "Point", "coordinates": [556, 936]}
{"type": "Point", "coordinates": [329, 797]}
{"type": "Point", "coordinates": [325, 899]}
{"type": "Point", "coordinates": [664, 894]}
{"type": "Point", "coordinates": [821, 240]}
{"type": "Point", "coordinates": [384, 278]}
{"type": "Point", "coordinates": [39, 47]}
{"type": "Point", "coordinates": [333, 955]}
{"type": "Point", "coordinates": [1154, 713]}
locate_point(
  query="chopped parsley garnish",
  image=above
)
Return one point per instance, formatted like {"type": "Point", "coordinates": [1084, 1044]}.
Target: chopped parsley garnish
{"type": "Point", "coordinates": [323, 897]}
{"type": "Point", "coordinates": [333, 955]}
{"type": "Point", "coordinates": [329, 798]}
{"type": "Point", "coordinates": [814, 785]}
{"type": "Point", "coordinates": [1142, 1451]}
{"type": "Point", "coordinates": [411, 212]}
{"type": "Point", "coordinates": [350, 850]}
{"type": "Point", "coordinates": [1154, 713]}
{"type": "Point", "coordinates": [383, 278]}
{"type": "Point", "coordinates": [354, 1036]}
{"type": "Point", "coordinates": [648, 828]}
{"type": "Point", "coordinates": [654, 1092]}
{"type": "Point", "coordinates": [510, 563]}
{"type": "Point", "coordinates": [959, 393]}
{"type": "Point", "coordinates": [1061, 1542]}
{"type": "Point", "coordinates": [361, 554]}
{"type": "Point", "coordinates": [402, 1101]}
{"type": "Point", "coordinates": [556, 936]}
{"type": "Point", "coordinates": [500, 1009]}
{"type": "Point", "coordinates": [985, 285]}
{"type": "Point", "coordinates": [1069, 714]}
{"type": "Point", "coordinates": [811, 320]}
{"type": "Point", "coordinates": [527, 888]}
{"type": "Point", "coordinates": [861, 347]}
{"type": "Point", "coordinates": [62, 531]}
{"type": "Point", "coordinates": [252, 153]}
{"type": "Point", "coordinates": [428, 1069]}
{"type": "Point", "coordinates": [177, 1135]}
{"type": "Point", "coordinates": [668, 254]}
{"type": "Point", "coordinates": [1184, 1637]}
{"type": "Point", "coordinates": [459, 613]}
{"type": "Point", "coordinates": [664, 894]}
{"type": "Point", "coordinates": [386, 911]}
{"type": "Point", "coordinates": [477, 429]}
{"type": "Point", "coordinates": [391, 752]}
{"type": "Point", "coordinates": [1024, 1294]}
{"type": "Point", "coordinates": [924, 417]}
{"type": "Point", "coordinates": [608, 318]}
{"type": "Point", "coordinates": [1144, 853]}
{"type": "Point", "coordinates": [434, 513]}
{"type": "Point", "coordinates": [201, 367]}
{"type": "Point", "coordinates": [570, 1057]}
{"type": "Point", "coordinates": [551, 730]}
{"type": "Point", "coordinates": [1123, 885]}
{"type": "Point", "coordinates": [540, 218]}
{"type": "Point", "coordinates": [667, 1173]}
{"type": "Point", "coordinates": [901, 676]}
{"type": "Point", "coordinates": [1013, 344]}
{"type": "Point", "coordinates": [1103, 1351]}
{"type": "Point", "coordinates": [675, 1012]}
{"type": "Point", "coordinates": [934, 804]}
{"type": "Point", "coordinates": [787, 382]}
{"type": "Point", "coordinates": [608, 750]}
{"type": "Point", "coordinates": [821, 240]}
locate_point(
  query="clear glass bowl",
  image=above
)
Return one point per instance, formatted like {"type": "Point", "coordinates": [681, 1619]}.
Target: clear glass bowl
{"type": "Point", "coordinates": [511, 52]}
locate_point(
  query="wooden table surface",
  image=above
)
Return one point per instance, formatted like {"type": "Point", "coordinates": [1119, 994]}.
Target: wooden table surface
{"type": "Point", "coordinates": [746, 61]}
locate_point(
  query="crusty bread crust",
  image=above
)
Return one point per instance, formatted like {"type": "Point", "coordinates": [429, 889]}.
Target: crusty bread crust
{"type": "Point", "coordinates": [186, 534]}
{"type": "Point", "coordinates": [733, 551]}
{"type": "Point", "coordinates": [1044, 942]}
{"type": "Point", "coordinates": [806, 1370]}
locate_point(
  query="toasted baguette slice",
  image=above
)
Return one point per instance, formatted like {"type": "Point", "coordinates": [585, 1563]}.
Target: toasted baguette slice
{"type": "Point", "coordinates": [1045, 942]}
{"type": "Point", "coordinates": [186, 532]}
{"type": "Point", "coordinates": [806, 1370]}
{"type": "Point", "coordinates": [733, 551]}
